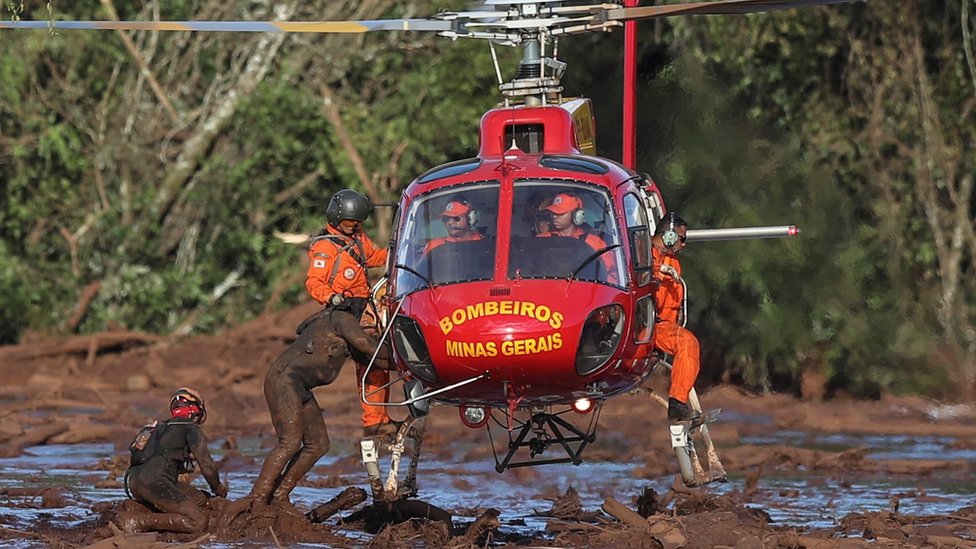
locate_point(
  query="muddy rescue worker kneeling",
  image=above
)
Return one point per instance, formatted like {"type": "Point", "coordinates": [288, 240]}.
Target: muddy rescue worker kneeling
{"type": "Point", "coordinates": [338, 258]}
{"type": "Point", "coordinates": [670, 335]}
{"type": "Point", "coordinates": [160, 454]}
{"type": "Point", "coordinates": [325, 341]}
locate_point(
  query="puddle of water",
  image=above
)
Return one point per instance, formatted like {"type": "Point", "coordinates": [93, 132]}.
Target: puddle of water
{"type": "Point", "coordinates": [801, 500]}
{"type": "Point", "coordinates": [879, 446]}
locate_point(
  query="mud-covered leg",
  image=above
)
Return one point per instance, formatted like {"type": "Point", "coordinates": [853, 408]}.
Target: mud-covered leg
{"type": "Point", "coordinates": [417, 429]}
{"type": "Point", "coordinates": [315, 444]}
{"type": "Point", "coordinates": [181, 511]}
{"type": "Point", "coordinates": [285, 405]}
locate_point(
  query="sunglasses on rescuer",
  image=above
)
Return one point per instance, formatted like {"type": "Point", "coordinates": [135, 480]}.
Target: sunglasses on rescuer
{"type": "Point", "coordinates": [454, 218]}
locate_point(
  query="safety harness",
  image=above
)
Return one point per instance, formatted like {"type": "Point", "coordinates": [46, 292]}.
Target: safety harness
{"type": "Point", "coordinates": [354, 249]}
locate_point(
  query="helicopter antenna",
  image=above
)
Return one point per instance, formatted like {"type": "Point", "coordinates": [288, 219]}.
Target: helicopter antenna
{"type": "Point", "coordinates": [494, 60]}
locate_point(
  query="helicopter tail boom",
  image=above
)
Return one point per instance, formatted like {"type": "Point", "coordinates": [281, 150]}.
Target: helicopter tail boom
{"type": "Point", "coordinates": [742, 233]}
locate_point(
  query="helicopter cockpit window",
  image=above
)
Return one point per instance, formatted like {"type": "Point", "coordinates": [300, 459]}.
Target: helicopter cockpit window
{"type": "Point", "coordinates": [529, 138]}
{"type": "Point", "coordinates": [639, 233]}
{"type": "Point", "coordinates": [562, 229]}
{"type": "Point", "coordinates": [447, 236]}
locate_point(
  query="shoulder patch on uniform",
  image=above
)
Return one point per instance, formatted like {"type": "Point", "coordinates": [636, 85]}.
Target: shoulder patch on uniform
{"type": "Point", "coordinates": [349, 273]}
{"type": "Point", "coordinates": [318, 263]}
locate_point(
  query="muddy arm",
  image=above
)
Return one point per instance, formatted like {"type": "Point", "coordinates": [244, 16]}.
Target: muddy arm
{"type": "Point", "coordinates": [201, 453]}
{"type": "Point", "coordinates": [348, 327]}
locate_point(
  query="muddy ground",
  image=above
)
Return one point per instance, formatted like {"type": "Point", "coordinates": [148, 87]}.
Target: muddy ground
{"type": "Point", "coordinates": [101, 388]}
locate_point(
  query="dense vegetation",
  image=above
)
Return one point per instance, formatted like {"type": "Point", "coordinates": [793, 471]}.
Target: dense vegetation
{"type": "Point", "coordinates": [152, 173]}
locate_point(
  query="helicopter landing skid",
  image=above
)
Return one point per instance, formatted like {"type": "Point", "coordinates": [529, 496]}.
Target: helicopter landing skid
{"type": "Point", "coordinates": [393, 489]}
{"type": "Point", "coordinates": [682, 440]}
{"type": "Point", "coordinates": [546, 429]}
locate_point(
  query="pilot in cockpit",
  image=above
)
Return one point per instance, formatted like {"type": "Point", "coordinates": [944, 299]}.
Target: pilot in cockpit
{"type": "Point", "coordinates": [567, 220]}
{"type": "Point", "coordinates": [461, 221]}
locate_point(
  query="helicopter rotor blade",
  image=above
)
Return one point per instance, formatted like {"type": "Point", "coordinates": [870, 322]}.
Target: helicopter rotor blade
{"type": "Point", "coordinates": [423, 25]}
{"type": "Point", "coordinates": [719, 7]}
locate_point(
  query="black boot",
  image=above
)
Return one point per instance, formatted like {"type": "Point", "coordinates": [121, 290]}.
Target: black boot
{"type": "Point", "coordinates": [679, 411]}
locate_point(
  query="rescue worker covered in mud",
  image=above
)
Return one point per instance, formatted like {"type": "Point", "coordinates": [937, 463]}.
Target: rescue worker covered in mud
{"type": "Point", "coordinates": [165, 454]}
{"type": "Point", "coordinates": [338, 258]}
{"type": "Point", "coordinates": [567, 220]}
{"type": "Point", "coordinates": [669, 334]}
{"type": "Point", "coordinates": [461, 221]}
{"type": "Point", "coordinates": [325, 341]}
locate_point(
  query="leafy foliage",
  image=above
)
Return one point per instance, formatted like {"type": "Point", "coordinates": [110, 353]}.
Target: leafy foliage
{"type": "Point", "coordinates": [168, 185]}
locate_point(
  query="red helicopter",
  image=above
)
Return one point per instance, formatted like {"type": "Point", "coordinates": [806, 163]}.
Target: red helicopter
{"type": "Point", "coordinates": [524, 333]}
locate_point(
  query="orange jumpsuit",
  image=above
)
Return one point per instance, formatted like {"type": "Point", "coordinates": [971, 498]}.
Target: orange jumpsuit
{"type": "Point", "coordinates": [337, 265]}
{"type": "Point", "coordinates": [669, 335]}
{"type": "Point", "coordinates": [438, 241]}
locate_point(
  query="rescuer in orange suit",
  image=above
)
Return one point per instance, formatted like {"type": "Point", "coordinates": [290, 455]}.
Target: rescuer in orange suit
{"type": "Point", "coordinates": [461, 220]}
{"type": "Point", "coordinates": [669, 335]}
{"type": "Point", "coordinates": [567, 216]}
{"type": "Point", "coordinates": [338, 258]}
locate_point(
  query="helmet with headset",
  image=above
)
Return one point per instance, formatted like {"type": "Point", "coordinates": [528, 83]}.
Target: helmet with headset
{"type": "Point", "coordinates": [566, 202]}
{"type": "Point", "coordinates": [459, 207]}
{"type": "Point", "coordinates": [187, 403]}
{"type": "Point", "coordinates": [347, 204]}
{"type": "Point", "coordinates": [668, 229]}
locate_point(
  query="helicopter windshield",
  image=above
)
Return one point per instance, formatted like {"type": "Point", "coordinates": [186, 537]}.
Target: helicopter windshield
{"type": "Point", "coordinates": [562, 228]}
{"type": "Point", "coordinates": [447, 237]}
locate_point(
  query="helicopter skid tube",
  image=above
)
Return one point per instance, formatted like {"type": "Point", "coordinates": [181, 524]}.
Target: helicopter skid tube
{"type": "Point", "coordinates": [692, 473]}
{"type": "Point", "coordinates": [549, 429]}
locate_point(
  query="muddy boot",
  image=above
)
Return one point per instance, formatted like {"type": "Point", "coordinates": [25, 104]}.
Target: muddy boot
{"type": "Point", "coordinates": [679, 411]}
{"type": "Point", "coordinates": [384, 432]}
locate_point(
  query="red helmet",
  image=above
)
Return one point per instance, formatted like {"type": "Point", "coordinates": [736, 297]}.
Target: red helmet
{"type": "Point", "coordinates": [187, 403]}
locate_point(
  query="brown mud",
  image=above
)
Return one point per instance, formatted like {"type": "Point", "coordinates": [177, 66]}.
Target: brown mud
{"type": "Point", "coordinates": [101, 388]}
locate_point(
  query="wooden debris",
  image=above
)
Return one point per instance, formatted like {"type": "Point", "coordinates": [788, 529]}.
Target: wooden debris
{"type": "Point", "coordinates": [33, 437]}
{"type": "Point", "coordinates": [349, 497]}
{"type": "Point", "coordinates": [623, 514]}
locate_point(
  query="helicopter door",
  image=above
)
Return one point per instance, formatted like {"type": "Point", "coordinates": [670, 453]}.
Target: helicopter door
{"type": "Point", "coordinates": [642, 261]}
{"type": "Point", "coordinates": [639, 233]}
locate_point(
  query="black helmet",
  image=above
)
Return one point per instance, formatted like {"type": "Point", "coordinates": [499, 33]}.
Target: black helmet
{"type": "Point", "coordinates": [347, 204]}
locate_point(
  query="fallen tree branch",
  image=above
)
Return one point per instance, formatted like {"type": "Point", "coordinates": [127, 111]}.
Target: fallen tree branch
{"type": "Point", "coordinates": [81, 309]}
{"type": "Point", "coordinates": [623, 514]}
{"type": "Point", "coordinates": [33, 437]}
{"type": "Point", "coordinates": [82, 344]}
